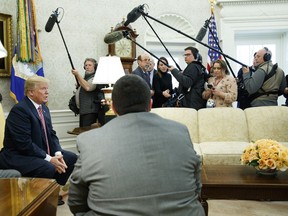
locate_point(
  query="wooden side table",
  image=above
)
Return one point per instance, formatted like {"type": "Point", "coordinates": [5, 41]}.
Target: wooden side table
{"type": "Point", "coordinates": [242, 183]}
{"type": "Point", "coordinates": [28, 196]}
{"type": "Point", "coordinates": [79, 130]}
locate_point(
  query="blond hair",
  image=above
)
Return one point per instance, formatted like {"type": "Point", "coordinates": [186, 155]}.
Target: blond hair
{"type": "Point", "coordinates": [33, 81]}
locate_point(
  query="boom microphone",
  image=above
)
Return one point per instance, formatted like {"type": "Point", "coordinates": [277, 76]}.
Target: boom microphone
{"type": "Point", "coordinates": [202, 32]}
{"type": "Point", "coordinates": [134, 15]}
{"type": "Point", "coordinates": [115, 36]}
{"type": "Point", "coordinates": [51, 21]}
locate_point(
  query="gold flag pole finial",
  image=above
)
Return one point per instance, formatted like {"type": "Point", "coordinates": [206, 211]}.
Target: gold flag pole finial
{"type": "Point", "coordinates": [212, 3]}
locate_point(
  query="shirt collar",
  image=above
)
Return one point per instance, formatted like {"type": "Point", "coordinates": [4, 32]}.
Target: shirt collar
{"type": "Point", "coordinates": [35, 104]}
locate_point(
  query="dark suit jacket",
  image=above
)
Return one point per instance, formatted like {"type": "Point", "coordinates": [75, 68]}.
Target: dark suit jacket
{"type": "Point", "coordinates": [192, 77]}
{"type": "Point", "coordinates": [138, 71]}
{"type": "Point", "coordinates": [24, 141]}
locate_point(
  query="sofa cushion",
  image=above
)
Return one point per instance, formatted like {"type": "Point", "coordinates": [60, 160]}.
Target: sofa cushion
{"type": "Point", "coordinates": [198, 150]}
{"type": "Point", "coordinates": [222, 124]}
{"type": "Point", "coordinates": [269, 122]}
{"type": "Point", "coordinates": [186, 116]}
{"type": "Point", "coordinates": [222, 153]}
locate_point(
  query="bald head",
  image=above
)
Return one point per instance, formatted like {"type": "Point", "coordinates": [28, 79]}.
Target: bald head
{"type": "Point", "coordinates": [259, 57]}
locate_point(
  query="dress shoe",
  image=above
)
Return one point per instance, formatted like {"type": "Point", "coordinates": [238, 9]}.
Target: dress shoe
{"type": "Point", "coordinates": [60, 201]}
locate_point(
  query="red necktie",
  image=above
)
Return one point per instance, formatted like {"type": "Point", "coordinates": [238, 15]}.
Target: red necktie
{"type": "Point", "coordinates": [44, 127]}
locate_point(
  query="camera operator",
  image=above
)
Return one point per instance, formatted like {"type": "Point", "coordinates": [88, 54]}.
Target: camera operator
{"type": "Point", "coordinates": [191, 80]}
{"type": "Point", "coordinates": [243, 95]}
{"type": "Point", "coordinates": [264, 89]}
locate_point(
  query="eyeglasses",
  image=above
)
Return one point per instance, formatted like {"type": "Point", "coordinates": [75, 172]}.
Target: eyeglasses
{"type": "Point", "coordinates": [187, 54]}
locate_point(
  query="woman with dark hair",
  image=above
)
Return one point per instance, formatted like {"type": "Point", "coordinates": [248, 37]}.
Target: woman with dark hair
{"type": "Point", "coordinates": [221, 88]}
{"type": "Point", "coordinates": [162, 84]}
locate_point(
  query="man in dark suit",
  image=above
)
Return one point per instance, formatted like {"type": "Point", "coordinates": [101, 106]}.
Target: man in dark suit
{"type": "Point", "coordinates": [136, 164]}
{"type": "Point", "coordinates": [30, 143]}
{"type": "Point", "coordinates": [143, 61]}
{"type": "Point", "coordinates": [9, 173]}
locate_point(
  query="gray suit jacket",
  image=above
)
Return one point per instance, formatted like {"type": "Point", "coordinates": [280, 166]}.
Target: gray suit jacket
{"type": "Point", "coordinates": [136, 164]}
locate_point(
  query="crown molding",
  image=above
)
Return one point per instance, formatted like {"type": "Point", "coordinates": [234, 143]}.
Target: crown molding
{"type": "Point", "coordinates": [177, 21]}
{"type": "Point", "coordinates": [249, 2]}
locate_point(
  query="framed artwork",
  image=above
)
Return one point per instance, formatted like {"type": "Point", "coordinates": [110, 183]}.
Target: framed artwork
{"type": "Point", "coordinates": [6, 39]}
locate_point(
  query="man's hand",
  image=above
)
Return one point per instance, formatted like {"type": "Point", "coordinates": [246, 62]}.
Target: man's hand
{"type": "Point", "coordinates": [59, 164]}
{"type": "Point", "coordinates": [75, 72]}
{"type": "Point", "coordinates": [245, 69]}
{"type": "Point", "coordinates": [166, 93]}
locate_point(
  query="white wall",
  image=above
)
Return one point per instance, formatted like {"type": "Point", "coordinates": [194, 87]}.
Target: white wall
{"type": "Point", "coordinates": [254, 16]}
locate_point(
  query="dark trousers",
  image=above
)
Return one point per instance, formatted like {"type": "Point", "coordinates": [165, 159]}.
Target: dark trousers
{"type": "Point", "coordinates": [46, 169]}
{"type": "Point", "coordinates": [91, 118]}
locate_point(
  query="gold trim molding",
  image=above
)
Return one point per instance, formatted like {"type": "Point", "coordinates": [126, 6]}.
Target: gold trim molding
{"type": "Point", "coordinates": [6, 38]}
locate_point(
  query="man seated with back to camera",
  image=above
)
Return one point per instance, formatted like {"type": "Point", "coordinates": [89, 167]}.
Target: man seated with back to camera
{"type": "Point", "coordinates": [136, 164]}
{"type": "Point", "coordinates": [261, 92]}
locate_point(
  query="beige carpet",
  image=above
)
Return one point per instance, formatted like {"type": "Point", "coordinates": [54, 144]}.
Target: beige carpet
{"type": "Point", "coordinates": [226, 208]}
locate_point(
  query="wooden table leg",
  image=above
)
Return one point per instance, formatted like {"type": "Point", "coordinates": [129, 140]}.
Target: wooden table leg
{"type": "Point", "coordinates": [204, 203]}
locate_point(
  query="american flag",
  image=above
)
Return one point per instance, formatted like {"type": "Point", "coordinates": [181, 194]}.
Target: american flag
{"type": "Point", "coordinates": [212, 55]}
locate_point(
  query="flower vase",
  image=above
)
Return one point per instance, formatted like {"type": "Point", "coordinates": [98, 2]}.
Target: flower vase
{"type": "Point", "coordinates": [266, 172]}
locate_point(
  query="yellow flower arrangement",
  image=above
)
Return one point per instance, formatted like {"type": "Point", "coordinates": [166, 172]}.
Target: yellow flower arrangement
{"type": "Point", "coordinates": [266, 154]}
